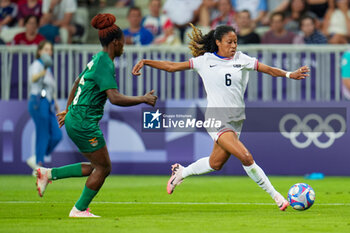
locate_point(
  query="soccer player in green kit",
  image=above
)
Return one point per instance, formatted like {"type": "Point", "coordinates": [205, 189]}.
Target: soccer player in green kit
{"type": "Point", "coordinates": [84, 111]}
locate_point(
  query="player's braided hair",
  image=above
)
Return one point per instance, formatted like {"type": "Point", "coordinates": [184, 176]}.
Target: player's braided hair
{"type": "Point", "coordinates": [200, 44]}
{"type": "Point", "coordinates": [107, 30]}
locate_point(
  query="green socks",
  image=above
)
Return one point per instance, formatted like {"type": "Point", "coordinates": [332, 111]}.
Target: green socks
{"type": "Point", "coordinates": [73, 170]}
{"type": "Point", "coordinates": [85, 199]}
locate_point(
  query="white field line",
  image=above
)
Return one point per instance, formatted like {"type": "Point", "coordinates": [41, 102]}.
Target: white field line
{"type": "Point", "coordinates": [164, 203]}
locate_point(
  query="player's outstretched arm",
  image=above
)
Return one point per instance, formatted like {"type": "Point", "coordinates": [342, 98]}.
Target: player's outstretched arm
{"type": "Point", "coordinates": [117, 98]}
{"type": "Point", "coordinates": [62, 115]}
{"type": "Point", "coordinates": [300, 73]}
{"type": "Point", "coordinates": [161, 65]}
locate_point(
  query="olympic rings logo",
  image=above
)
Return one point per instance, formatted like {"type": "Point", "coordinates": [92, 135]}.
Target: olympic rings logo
{"type": "Point", "coordinates": [312, 135]}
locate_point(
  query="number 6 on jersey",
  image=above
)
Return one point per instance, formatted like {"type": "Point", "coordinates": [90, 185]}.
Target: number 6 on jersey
{"type": "Point", "coordinates": [228, 81]}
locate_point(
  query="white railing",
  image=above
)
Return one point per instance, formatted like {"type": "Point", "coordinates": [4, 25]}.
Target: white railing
{"type": "Point", "coordinates": [69, 60]}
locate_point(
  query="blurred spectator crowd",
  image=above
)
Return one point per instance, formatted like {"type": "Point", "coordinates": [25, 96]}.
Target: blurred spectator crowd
{"type": "Point", "coordinates": [166, 22]}
{"type": "Point", "coordinates": [31, 21]}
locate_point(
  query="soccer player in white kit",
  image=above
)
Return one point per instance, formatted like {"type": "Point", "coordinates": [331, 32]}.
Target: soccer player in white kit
{"type": "Point", "coordinates": [225, 74]}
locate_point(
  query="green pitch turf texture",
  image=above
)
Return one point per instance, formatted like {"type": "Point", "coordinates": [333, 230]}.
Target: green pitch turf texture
{"type": "Point", "coordinates": [200, 204]}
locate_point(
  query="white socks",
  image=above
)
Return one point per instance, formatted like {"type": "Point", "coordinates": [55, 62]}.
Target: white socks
{"type": "Point", "coordinates": [202, 166]}
{"type": "Point", "coordinates": [199, 167]}
{"type": "Point", "coordinates": [258, 175]}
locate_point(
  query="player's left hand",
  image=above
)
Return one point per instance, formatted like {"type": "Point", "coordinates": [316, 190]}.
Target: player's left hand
{"type": "Point", "coordinates": [61, 118]}
{"type": "Point", "coordinates": [136, 70]}
{"type": "Point", "coordinates": [300, 73]}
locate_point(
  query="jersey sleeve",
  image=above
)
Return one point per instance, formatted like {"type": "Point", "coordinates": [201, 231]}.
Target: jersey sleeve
{"type": "Point", "coordinates": [196, 62]}
{"type": "Point", "coordinates": [249, 63]}
{"type": "Point", "coordinates": [345, 65]}
{"type": "Point", "coordinates": [104, 76]}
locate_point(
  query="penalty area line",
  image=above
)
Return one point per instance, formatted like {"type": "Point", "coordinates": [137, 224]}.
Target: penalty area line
{"type": "Point", "coordinates": [164, 203]}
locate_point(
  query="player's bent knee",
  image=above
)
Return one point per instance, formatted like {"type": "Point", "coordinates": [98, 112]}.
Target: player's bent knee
{"type": "Point", "coordinates": [247, 163]}
{"type": "Point", "coordinates": [103, 170]}
{"type": "Point", "coordinates": [247, 160]}
{"type": "Point", "coordinates": [216, 166]}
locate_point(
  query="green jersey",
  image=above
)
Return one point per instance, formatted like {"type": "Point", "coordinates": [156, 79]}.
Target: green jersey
{"type": "Point", "coordinates": [86, 110]}
{"type": "Point", "coordinates": [90, 96]}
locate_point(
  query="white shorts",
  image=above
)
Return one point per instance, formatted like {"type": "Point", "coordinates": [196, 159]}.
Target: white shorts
{"type": "Point", "coordinates": [230, 119]}
{"type": "Point", "coordinates": [232, 126]}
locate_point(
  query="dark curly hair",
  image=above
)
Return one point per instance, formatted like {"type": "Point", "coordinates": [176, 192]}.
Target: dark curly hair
{"type": "Point", "coordinates": [200, 44]}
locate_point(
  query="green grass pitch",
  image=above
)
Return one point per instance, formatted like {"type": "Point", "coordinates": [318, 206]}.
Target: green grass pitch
{"type": "Point", "coordinates": [200, 204]}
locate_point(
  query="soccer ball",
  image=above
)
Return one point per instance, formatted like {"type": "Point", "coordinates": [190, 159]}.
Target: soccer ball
{"type": "Point", "coordinates": [301, 196]}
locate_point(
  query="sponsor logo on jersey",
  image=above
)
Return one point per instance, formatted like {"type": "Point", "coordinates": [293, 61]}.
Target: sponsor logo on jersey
{"type": "Point", "coordinates": [211, 66]}
{"type": "Point", "coordinates": [237, 65]}
{"type": "Point", "coordinates": [93, 142]}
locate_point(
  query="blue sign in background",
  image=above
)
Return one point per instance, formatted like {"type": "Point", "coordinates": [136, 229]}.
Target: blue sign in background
{"type": "Point", "coordinates": [134, 151]}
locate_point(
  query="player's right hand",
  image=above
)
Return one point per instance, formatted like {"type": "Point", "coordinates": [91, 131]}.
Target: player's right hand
{"type": "Point", "coordinates": [61, 118]}
{"type": "Point", "coordinates": [150, 99]}
{"type": "Point", "coordinates": [136, 70]}
{"type": "Point", "coordinates": [300, 73]}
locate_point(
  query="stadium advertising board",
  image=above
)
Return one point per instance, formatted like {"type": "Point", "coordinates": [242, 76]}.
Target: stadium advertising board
{"type": "Point", "coordinates": [285, 138]}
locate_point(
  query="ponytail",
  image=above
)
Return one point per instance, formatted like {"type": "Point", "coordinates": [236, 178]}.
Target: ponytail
{"type": "Point", "coordinates": [200, 44]}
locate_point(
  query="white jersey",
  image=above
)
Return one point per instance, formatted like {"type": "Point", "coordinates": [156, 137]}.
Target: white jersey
{"type": "Point", "coordinates": [225, 81]}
